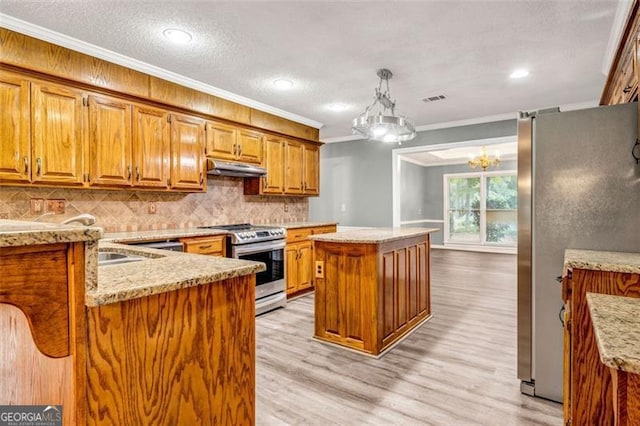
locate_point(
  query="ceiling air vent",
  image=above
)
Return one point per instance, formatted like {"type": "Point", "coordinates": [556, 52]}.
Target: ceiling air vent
{"type": "Point", "coordinates": [434, 98]}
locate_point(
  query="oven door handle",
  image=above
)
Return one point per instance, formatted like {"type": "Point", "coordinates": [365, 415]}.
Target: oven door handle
{"type": "Point", "coordinates": [241, 250]}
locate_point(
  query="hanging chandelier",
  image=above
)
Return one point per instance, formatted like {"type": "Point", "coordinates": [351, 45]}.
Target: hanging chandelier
{"type": "Point", "coordinates": [484, 161]}
{"type": "Point", "coordinates": [379, 122]}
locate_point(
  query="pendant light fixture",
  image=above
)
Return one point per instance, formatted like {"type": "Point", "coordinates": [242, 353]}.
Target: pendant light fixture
{"type": "Point", "coordinates": [379, 122]}
{"type": "Point", "coordinates": [484, 161]}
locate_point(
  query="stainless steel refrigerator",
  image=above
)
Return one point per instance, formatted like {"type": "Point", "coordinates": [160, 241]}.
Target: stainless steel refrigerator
{"type": "Point", "coordinates": [578, 187]}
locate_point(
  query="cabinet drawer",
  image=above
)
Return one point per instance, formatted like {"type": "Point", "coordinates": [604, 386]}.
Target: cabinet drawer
{"type": "Point", "coordinates": [323, 229]}
{"type": "Point", "coordinates": [213, 246]}
{"type": "Point", "coordinates": [298, 234]}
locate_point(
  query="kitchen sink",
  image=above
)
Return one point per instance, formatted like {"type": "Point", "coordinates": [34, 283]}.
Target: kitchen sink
{"type": "Point", "coordinates": [112, 258]}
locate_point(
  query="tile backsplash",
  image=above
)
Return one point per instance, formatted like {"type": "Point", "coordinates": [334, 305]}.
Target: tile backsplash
{"type": "Point", "coordinates": [128, 210]}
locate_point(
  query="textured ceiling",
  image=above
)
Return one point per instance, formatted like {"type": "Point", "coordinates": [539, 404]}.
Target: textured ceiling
{"type": "Point", "coordinates": [331, 50]}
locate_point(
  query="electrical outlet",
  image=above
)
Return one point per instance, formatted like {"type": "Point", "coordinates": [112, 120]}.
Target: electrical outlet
{"type": "Point", "coordinates": [286, 207]}
{"type": "Point", "coordinates": [36, 205]}
{"type": "Point", "coordinates": [319, 269]}
{"type": "Point", "coordinates": [4, 215]}
{"type": "Point", "coordinates": [56, 206]}
{"type": "Point", "coordinates": [152, 207]}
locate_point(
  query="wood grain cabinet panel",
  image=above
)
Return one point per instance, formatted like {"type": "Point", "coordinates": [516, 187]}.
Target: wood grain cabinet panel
{"type": "Point", "coordinates": [15, 128]}
{"type": "Point", "coordinates": [250, 146]}
{"type": "Point", "coordinates": [187, 152]}
{"type": "Point", "coordinates": [588, 388]}
{"type": "Point", "coordinates": [110, 159]}
{"type": "Point", "coordinates": [293, 177]}
{"type": "Point", "coordinates": [42, 323]}
{"type": "Point", "coordinates": [311, 160]}
{"type": "Point", "coordinates": [299, 269]}
{"type": "Point", "coordinates": [184, 357]}
{"type": "Point", "coordinates": [151, 147]}
{"type": "Point", "coordinates": [210, 245]}
{"type": "Point", "coordinates": [58, 132]}
{"type": "Point", "coordinates": [221, 141]}
{"type": "Point", "coordinates": [273, 183]}
{"type": "Point", "coordinates": [368, 296]}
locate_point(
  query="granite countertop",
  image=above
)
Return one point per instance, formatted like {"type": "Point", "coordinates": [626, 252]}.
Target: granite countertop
{"type": "Point", "coordinates": [14, 233]}
{"type": "Point", "coordinates": [616, 322]}
{"type": "Point", "coordinates": [161, 234]}
{"type": "Point", "coordinates": [609, 261]}
{"type": "Point", "coordinates": [294, 225]}
{"type": "Point", "coordinates": [162, 271]}
{"type": "Point", "coordinates": [373, 235]}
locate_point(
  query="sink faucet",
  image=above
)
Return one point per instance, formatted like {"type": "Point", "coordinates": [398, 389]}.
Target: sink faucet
{"type": "Point", "coordinates": [86, 219]}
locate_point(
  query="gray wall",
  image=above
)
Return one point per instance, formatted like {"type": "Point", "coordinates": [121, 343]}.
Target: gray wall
{"type": "Point", "coordinates": [422, 192]}
{"type": "Point", "coordinates": [355, 177]}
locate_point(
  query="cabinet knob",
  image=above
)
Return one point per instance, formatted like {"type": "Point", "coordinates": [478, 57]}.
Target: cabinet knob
{"type": "Point", "coordinates": [627, 89]}
{"type": "Point", "coordinates": [137, 173]}
{"type": "Point", "coordinates": [129, 174]}
{"type": "Point", "coordinates": [239, 150]}
{"type": "Point", "coordinates": [38, 166]}
{"type": "Point", "coordinates": [26, 164]}
{"type": "Point", "coordinates": [201, 178]}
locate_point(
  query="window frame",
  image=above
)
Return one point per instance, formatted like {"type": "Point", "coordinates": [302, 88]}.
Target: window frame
{"type": "Point", "coordinates": [483, 207]}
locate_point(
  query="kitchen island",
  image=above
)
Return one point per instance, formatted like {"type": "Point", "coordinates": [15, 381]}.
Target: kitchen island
{"type": "Point", "coordinates": [372, 286]}
{"type": "Point", "coordinates": [167, 339]}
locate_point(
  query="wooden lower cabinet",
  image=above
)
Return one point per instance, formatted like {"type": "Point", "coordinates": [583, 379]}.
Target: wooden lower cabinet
{"type": "Point", "coordinates": [368, 296]}
{"type": "Point", "coordinates": [184, 357]}
{"type": "Point", "coordinates": [42, 324]}
{"type": "Point", "coordinates": [298, 266]}
{"type": "Point", "coordinates": [213, 245]}
{"type": "Point", "coordinates": [588, 388]}
{"type": "Point", "coordinates": [299, 258]}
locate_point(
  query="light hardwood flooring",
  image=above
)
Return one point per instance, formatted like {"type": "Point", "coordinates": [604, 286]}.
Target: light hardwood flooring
{"type": "Point", "coordinates": [459, 368]}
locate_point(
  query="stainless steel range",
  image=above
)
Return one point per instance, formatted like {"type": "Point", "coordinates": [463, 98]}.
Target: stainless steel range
{"type": "Point", "coordinates": [261, 244]}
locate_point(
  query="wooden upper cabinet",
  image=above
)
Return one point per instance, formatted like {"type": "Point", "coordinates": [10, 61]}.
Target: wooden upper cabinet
{"type": "Point", "coordinates": [273, 183]}
{"type": "Point", "coordinates": [221, 141]}
{"type": "Point", "coordinates": [187, 152]}
{"type": "Point", "coordinates": [151, 147]}
{"type": "Point", "coordinates": [110, 158]}
{"type": "Point", "coordinates": [311, 156]}
{"type": "Point", "coordinates": [293, 178]}
{"type": "Point", "coordinates": [58, 134]}
{"type": "Point", "coordinates": [227, 142]}
{"type": "Point", "coordinates": [250, 146]}
{"type": "Point", "coordinates": [15, 152]}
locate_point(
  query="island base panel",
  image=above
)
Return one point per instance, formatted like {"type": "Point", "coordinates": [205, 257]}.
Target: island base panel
{"type": "Point", "coordinates": [176, 358]}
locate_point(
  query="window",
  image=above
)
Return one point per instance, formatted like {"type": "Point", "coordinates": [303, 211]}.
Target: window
{"type": "Point", "coordinates": [481, 208]}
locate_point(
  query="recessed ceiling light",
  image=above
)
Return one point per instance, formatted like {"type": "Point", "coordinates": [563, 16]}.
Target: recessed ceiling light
{"type": "Point", "coordinates": [337, 107]}
{"type": "Point", "coordinates": [519, 73]}
{"type": "Point", "coordinates": [177, 36]}
{"type": "Point", "coordinates": [283, 84]}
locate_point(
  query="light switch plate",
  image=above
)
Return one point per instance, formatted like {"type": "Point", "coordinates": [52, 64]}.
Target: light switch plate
{"type": "Point", "coordinates": [152, 207]}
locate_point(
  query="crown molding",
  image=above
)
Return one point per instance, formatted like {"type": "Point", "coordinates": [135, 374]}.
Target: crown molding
{"type": "Point", "coordinates": [617, 29]}
{"type": "Point", "coordinates": [18, 25]}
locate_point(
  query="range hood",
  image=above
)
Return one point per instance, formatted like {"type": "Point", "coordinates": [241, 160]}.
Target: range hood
{"type": "Point", "coordinates": [227, 168]}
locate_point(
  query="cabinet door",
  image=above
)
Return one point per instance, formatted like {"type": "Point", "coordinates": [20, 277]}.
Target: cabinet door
{"type": "Point", "coordinates": [58, 126]}
{"type": "Point", "coordinates": [221, 141]}
{"type": "Point", "coordinates": [293, 167]}
{"type": "Point", "coordinates": [305, 270]}
{"type": "Point", "coordinates": [187, 152]}
{"type": "Point", "coordinates": [151, 153]}
{"type": "Point", "coordinates": [109, 142]}
{"type": "Point", "coordinates": [250, 146]}
{"type": "Point", "coordinates": [273, 183]}
{"type": "Point", "coordinates": [15, 156]}
{"type": "Point", "coordinates": [291, 258]}
{"type": "Point", "coordinates": [311, 155]}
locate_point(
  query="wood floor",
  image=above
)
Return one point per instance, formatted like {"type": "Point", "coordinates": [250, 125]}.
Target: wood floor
{"type": "Point", "coordinates": [457, 369]}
